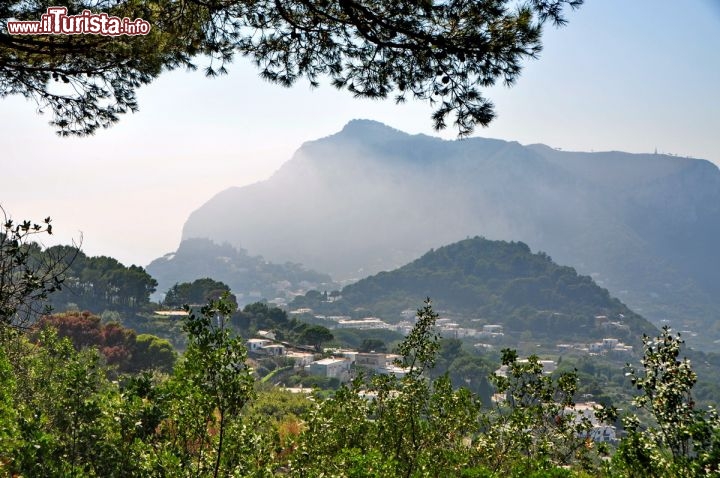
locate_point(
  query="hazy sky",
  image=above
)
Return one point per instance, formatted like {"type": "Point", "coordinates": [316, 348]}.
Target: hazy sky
{"type": "Point", "coordinates": [630, 75]}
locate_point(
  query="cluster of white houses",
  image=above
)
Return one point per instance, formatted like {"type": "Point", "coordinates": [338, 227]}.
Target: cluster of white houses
{"type": "Point", "coordinates": [610, 347]}
{"type": "Point", "coordinates": [549, 366]}
{"type": "Point", "coordinates": [343, 364]}
{"type": "Point", "coordinates": [340, 365]}
{"type": "Point", "coordinates": [366, 323]}
{"type": "Point", "coordinates": [448, 328]}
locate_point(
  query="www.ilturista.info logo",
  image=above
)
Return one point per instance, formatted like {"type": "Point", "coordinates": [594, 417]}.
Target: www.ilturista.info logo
{"type": "Point", "coordinates": [57, 22]}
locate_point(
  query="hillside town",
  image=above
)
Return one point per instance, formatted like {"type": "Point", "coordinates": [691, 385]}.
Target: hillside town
{"type": "Point", "coordinates": [488, 336]}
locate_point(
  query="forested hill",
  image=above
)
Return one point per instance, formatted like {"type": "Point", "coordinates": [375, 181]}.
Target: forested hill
{"type": "Point", "coordinates": [503, 283]}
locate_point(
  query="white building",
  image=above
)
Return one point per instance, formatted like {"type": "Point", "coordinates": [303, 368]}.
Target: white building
{"type": "Point", "coordinates": [351, 355]}
{"type": "Point", "coordinates": [301, 359]}
{"type": "Point", "coordinates": [610, 343]}
{"type": "Point", "coordinates": [622, 351]}
{"type": "Point", "coordinates": [254, 345]}
{"type": "Point", "coordinates": [275, 350]}
{"type": "Point", "coordinates": [303, 310]}
{"type": "Point", "coordinates": [599, 432]}
{"type": "Point", "coordinates": [549, 366]}
{"type": "Point", "coordinates": [392, 369]}
{"type": "Point", "coordinates": [492, 329]}
{"type": "Point", "coordinates": [330, 367]}
{"type": "Point", "coordinates": [266, 334]}
{"type": "Point", "coordinates": [363, 324]}
{"type": "Point", "coordinates": [371, 360]}
{"type": "Point", "coordinates": [380, 363]}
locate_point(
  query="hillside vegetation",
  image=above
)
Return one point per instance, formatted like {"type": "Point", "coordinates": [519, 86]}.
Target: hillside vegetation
{"type": "Point", "coordinates": [62, 414]}
{"type": "Point", "coordinates": [497, 282]}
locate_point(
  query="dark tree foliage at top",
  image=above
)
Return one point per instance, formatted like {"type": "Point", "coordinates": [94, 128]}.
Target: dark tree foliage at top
{"type": "Point", "coordinates": [443, 52]}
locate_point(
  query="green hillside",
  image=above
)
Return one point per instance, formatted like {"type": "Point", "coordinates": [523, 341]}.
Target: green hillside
{"type": "Point", "coordinates": [496, 282]}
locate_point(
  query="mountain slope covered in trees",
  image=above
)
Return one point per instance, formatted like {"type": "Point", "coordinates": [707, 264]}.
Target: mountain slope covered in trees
{"type": "Point", "coordinates": [497, 282]}
{"type": "Point", "coordinates": [371, 198]}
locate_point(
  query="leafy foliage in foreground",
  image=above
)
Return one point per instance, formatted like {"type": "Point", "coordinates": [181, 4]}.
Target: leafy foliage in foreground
{"type": "Point", "coordinates": [416, 426]}
{"type": "Point", "coordinates": [27, 274]}
{"type": "Point", "coordinates": [682, 439]}
{"type": "Point", "coordinates": [60, 416]}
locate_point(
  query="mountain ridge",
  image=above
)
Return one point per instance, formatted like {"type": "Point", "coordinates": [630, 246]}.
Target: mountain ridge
{"type": "Point", "coordinates": [370, 198]}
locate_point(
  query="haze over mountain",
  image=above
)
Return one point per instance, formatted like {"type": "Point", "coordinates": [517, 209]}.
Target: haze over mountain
{"type": "Point", "coordinates": [371, 198]}
{"type": "Point", "coordinates": [249, 277]}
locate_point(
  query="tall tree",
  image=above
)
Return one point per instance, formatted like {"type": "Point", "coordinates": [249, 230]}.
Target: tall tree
{"type": "Point", "coordinates": [389, 426]}
{"type": "Point", "coordinates": [683, 440]}
{"type": "Point", "coordinates": [443, 52]}
{"type": "Point", "coordinates": [212, 385]}
{"type": "Point", "coordinates": [316, 335]}
{"type": "Point", "coordinates": [200, 291]}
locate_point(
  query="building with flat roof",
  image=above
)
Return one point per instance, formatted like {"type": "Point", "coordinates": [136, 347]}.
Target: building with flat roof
{"type": "Point", "coordinates": [254, 345]}
{"type": "Point", "coordinates": [367, 323]}
{"type": "Point", "coordinates": [330, 367]}
{"type": "Point", "coordinates": [301, 359]}
{"type": "Point", "coordinates": [598, 432]}
{"type": "Point", "coordinates": [273, 349]}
